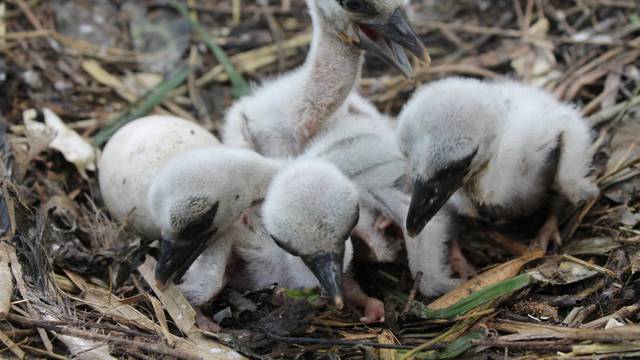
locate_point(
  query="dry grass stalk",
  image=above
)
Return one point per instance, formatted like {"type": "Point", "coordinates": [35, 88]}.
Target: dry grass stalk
{"type": "Point", "coordinates": [6, 281]}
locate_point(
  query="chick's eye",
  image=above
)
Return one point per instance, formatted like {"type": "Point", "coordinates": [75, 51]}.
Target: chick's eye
{"type": "Point", "coordinates": [354, 5]}
{"type": "Point", "coordinates": [198, 227]}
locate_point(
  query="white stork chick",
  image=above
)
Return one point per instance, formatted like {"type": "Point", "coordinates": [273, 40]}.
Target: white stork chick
{"type": "Point", "coordinates": [363, 147]}
{"type": "Point", "coordinates": [497, 147]}
{"type": "Point", "coordinates": [310, 211]}
{"type": "Point", "coordinates": [166, 177]}
{"type": "Point", "coordinates": [198, 195]}
{"type": "Point", "coordinates": [308, 214]}
{"type": "Point", "coordinates": [283, 114]}
{"type": "Point", "coordinates": [300, 241]}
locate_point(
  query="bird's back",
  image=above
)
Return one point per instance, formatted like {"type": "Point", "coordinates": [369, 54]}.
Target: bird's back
{"type": "Point", "coordinates": [523, 167]}
{"type": "Point", "coordinates": [364, 148]}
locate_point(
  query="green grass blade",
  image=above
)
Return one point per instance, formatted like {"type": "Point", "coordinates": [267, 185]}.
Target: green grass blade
{"type": "Point", "coordinates": [478, 298]}
{"type": "Point", "coordinates": [239, 86]}
{"type": "Point", "coordinates": [459, 346]}
{"type": "Point", "coordinates": [144, 105]}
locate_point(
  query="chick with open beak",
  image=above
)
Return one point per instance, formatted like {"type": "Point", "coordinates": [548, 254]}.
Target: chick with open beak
{"type": "Point", "coordinates": [310, 210]}
{"type": "Point", "coordinates": [381, 28]}
{"type": "Point", "coordinates": [281, 116]}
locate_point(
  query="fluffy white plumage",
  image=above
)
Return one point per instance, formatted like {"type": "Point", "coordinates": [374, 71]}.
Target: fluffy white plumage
{"type": "Point", "coordinates": [428, 253]}
{"type": "Point", "coordinates": [310, 207]}
{"type": "Point", "coordinates": [233, 178]}
{"type": "Point", "coordinates": [361, 144]}
{"type": "Point", "coordinates": [265, 263]}
{"type": "Point", "coordinates": [282, 114]}
{"type": "Point", "coordinates": [516, 129]}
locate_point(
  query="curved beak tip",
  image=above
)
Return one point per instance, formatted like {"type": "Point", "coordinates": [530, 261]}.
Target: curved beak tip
{"type": "Point", "coordinates": [338, 302]}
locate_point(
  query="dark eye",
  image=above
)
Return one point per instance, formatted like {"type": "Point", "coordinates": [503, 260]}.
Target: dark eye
{"type": "Point", "coordinates": [200, 226]}
{"type": "Point", "coordinates": [353, 5]}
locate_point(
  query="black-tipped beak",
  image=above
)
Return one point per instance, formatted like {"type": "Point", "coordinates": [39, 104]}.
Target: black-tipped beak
{"type": "Point", "coordinates": [427, 199]}
{"type": "Point", "coordinates": [176, 257]}
{"type": "Point", "coordinates": [389, 40]}
{"type": "Point", "coordinates": [327, 267]}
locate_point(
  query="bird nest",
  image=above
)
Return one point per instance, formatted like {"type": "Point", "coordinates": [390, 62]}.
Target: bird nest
{"type": "Point", "coordinates": [75, 284]}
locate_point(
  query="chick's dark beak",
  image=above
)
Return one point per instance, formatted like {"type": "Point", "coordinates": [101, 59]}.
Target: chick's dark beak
{"type": "Point", "coordinates": [389, 40]}
{"type": "Point", "coordinates": [428, 198]}
{"type": "Point", "coordinates": [176, 257]}
{"type": "Point", "coordinates": [327, 267]}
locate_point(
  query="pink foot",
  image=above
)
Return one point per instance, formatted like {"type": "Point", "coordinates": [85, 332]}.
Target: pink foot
{"type": "Point", "coordinates": [373, 312]}
{"type": "Point", "coordinates": [373, 308]}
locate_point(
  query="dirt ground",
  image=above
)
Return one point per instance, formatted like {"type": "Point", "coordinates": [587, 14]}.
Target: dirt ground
{"type": "Point", "coordinates": [74, 284]}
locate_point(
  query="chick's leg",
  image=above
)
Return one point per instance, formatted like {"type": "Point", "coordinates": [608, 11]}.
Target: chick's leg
{"type": "Point", "coordinates": [206, 278]}
{"type": "Point", "coordinates": [373, 308]}
{"type": "Point", "coordinates": [459, 263]}
{"type": "Point", "coordinates": [549, 231]}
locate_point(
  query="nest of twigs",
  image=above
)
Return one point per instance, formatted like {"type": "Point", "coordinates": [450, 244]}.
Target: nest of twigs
{"type": "Point", "coordinates": [75, 284]}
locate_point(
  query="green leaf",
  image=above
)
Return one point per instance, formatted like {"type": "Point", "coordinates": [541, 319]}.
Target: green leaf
{"type": "Point", "coordinates": [459, 346]}
{"type": "Point", "coordinates": [144, 105]}
{"type": "Point", "coordinates": [301, 294]}
{"type": "Point", "coordinates": [239, 86]}
{"type": "Point", "coordinates": [477, 298]}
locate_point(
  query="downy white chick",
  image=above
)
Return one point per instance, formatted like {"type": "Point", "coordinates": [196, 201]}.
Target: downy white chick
{"type": "Point", "coordinates": [497, 147]}
{"type": "Point", "coordinates": [301, 240]}
{"type": "Point", "coordinates": [198, 195]}
{"type": "Point", "coordinates": [308, 214]}
{"type": "Point", "coordinates": [363, 146]}
{"type": "Point", "coordinates": [280, 117]}
{"type": "Point", "coordinates": [168, 179]}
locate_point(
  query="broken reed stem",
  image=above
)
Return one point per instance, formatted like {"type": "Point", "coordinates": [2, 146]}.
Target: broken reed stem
{"type": "Point", "coordinates": [12, 346]}
{"type": "Point", "coordinates": [591, 266]}
{"type": "Point", "coordinates": [412, 293]}
{"type": "Point", "coordinates": [157, 348]}
{"type": "Point", "coordinates": [453, 331]}
{"type": "Point", "coordinates": [525, 345]}
{"type": "Point", "coordinates": [329, 342]}
{"type": "Point", "coordinates": [123, 330]}
{"type": "Point", "coordinates": [6, 282]}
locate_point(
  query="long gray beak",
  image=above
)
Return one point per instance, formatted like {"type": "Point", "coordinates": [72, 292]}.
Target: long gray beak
{"type": "Point", "coordinates": [176, 257]}
{"type": "Point", "coordinates": [327, 267]}
{"type": "Point", "coordinates": [427, 199]}
{"type": "Point", "coordinates": [389, 40]}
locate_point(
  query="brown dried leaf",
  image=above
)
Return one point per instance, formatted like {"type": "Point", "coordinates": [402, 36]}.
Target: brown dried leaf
{"type": "Point", "coordinates": [560, 272]}
{"type": "Point", "coordinates": [591, 246]}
